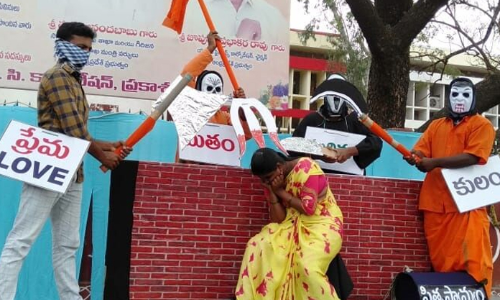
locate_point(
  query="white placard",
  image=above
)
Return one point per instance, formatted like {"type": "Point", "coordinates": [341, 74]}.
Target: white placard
{"type": "Point", "coordinates": [475, 186]}
{"type": "Point", "coordinates": [214, 144]}
{"type": "Point", "coordinates": [336, 140]}
{"type": "Point", "coordinates": [40, 157]}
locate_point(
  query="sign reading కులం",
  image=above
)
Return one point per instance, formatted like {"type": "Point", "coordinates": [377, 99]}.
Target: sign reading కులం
{"type": "Point", "coordinates": [40, 157]}
{"type": "Point", "coordinates": [475, 186]}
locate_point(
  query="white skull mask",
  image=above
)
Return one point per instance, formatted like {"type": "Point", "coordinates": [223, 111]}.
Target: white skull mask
{"type": "Point", "coordinates": [461, 99]}
{"type": "Point", "coordinates": [211, 83]}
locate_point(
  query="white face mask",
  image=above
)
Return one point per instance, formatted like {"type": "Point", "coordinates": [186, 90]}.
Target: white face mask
{"type": "Point", "coordinates": [212, 84]}
{"type": "Point", "coordinates": [461, 99]}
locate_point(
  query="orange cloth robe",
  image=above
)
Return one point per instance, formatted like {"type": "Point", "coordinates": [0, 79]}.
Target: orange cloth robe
{"type": "Point", "coordinates": [456, 241]}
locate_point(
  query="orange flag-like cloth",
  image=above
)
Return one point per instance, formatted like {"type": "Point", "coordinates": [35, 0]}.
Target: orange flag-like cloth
{"type": "Point", "coordinates": [175, 16]}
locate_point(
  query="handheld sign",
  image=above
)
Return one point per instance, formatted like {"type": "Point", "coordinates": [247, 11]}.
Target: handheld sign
{"type": "Point", "coordinates": [40, 157]}
{"type": "Point", "coordinates": [475, 186]}
{"type": "Point", "coordinates": [337, 140]}
{"type": "Point", "coordinates": [213, 144]}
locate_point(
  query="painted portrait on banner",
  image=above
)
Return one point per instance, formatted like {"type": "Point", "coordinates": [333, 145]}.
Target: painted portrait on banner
{"type": "Point", "coordinates": [134, 56]}
{"type": "Point", "coordinates": [250, 20]}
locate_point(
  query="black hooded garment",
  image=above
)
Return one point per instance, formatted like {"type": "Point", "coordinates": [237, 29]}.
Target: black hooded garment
{"type": "Point", "coordinates": [369, 149]}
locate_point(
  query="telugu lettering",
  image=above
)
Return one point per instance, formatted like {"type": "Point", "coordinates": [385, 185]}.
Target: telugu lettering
{"type": "Point", "coordinates": [51, 148]}
{"type": "Point", "coordinates": [13, 75]}
{"type": "Point", "coordinates": [15, 24]}
{"type": "Point", "coordinates": [212, 142]}
{"type": "Point", "coordinates": [20, 57]}
{"type": "Point", "coordinates": [24, 146]}
{"type": "Point", "coordinates": [54, 149]}
{"type": "Point", "coordinates": [446, 292]}
{"type": "Point", "coordinates": [9, 7]}
{"type": "Point", "coordinates": [35, 77]}
{"type": "Point", "coordinates": [99, 82]}
{"type": "Point", "coordinates": [464, 187]}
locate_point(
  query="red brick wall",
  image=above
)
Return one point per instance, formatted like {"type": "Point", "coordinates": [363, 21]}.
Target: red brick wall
{"type": "Point", "coordinates": [191, 225]}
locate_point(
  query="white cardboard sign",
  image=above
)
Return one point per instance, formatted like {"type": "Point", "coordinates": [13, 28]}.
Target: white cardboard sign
{"type": "Point", "coordinates": [40, 157]}
{"type": "Point", "coordinates": [214, 144]}
{"type": "Point", "coordinates": [475, 186]}
{"type": "Point", "coordinates": [336, 140]}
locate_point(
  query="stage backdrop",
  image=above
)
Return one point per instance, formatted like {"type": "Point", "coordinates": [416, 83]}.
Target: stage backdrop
{"type": "Point", "coordinates": [158, 146]}
{"type": "Point", "coordinates": [135, 56]}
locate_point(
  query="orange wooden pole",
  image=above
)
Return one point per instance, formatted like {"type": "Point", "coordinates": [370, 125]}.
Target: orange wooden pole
{"type": "Point", "coordinates": [148, 124]}
{"type": "Point", "coordinates": [219, 46]}
{"type": "Point", "coordinates": [376, 129]}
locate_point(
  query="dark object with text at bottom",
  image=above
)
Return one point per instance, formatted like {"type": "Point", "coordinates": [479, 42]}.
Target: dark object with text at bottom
{"type": "Point", "coordinates": [430, 285]}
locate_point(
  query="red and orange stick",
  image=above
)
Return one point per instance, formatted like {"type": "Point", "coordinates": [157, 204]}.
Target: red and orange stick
{"type": "Point", "coordinates": [149, 123]}
{"type": "Point", "coordinates": [222, 53]}
{"type": "Point", "coordinates": [175, 21]}
{"type": "Point", "coordinates": [381, 133]}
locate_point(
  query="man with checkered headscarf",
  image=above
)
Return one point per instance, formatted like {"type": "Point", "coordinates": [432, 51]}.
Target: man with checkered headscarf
{"type": "Point", "coordinates": [62, 108]}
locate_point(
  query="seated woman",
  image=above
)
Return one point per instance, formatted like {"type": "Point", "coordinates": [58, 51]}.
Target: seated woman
{"type": "Point", "coordinates": [288, 259]}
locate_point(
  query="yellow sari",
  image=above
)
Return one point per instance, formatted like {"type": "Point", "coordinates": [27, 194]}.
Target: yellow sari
{"type": "Point", "coordinates": [289, 260]}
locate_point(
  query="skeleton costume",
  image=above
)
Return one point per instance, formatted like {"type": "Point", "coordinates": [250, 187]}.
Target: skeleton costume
{"type": "Point", "coordinates": [210, 81]}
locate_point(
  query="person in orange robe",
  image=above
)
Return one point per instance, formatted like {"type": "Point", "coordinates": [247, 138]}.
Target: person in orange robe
{"type": "Point", "coordinates": [211, 82]}
{"type": "Point", "coordinates": [456, 241]}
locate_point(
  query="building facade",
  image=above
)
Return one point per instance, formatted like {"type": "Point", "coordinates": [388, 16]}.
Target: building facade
{"type": "Point", "coordinates": [309, 66]}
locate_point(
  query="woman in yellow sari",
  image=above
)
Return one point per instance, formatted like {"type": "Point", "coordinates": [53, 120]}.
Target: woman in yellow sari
{"type": "Point", "coordinates": [288, 259]}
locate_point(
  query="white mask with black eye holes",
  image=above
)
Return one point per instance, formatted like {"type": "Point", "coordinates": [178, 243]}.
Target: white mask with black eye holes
{"type": "Point", "coordinates": [212, 84]}
{"type": "Point", "coordinates": [461, 99]}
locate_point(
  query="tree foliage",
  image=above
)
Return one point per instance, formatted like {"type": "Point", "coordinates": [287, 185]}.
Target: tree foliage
{"type": "Point", "coordinates": [387, 35]}
{"type": "Point", "coordinates": [477, 36]}
{"type": "Point", "coordinates": [349, 47]}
